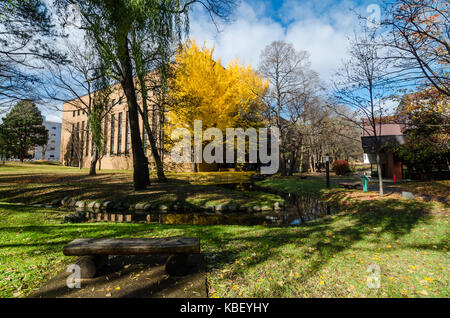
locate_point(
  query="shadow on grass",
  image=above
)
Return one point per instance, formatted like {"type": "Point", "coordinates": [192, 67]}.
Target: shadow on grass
{"type": "Point", "coordinates": [366, 220]}
{"type": "Point", "coordinates": [43, 188]}
{"type": "Point", "coordinates": [223, 245]}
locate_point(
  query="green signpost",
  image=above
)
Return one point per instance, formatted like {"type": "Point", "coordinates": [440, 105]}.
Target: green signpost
{"type": "Point", "coordinates": [365, 183]}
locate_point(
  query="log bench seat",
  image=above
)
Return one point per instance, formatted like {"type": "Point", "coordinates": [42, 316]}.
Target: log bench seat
{"type": "Point", "coordinates": [350, 185]}
{"type": "Point", "coordinates": [95, 252]}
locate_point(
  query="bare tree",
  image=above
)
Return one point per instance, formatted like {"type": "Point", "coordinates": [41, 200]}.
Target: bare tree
{"type": "Point", "coordinates": [418, 39]}
{"type": "Point", "coordinates": [363, 85]}
{"type": "Point", "coordinates": [44, 149]}
{"type": "Point", "coordinates": [337, 136]}
{"type": "Point", "coordinates": [293, 87]}
{"type": "Point", "coordinates": [26, 34]}
{"type": "Point", "coordinates": [81, 83]}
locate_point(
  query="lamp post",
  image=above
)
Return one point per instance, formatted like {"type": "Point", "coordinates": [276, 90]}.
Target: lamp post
{"type": "Point", "coordinates": [328, 169]}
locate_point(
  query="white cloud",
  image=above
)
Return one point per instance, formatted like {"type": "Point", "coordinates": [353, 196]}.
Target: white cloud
{"type": "Point", "coordinates": [321, 28]}
{"type": "Point", "coordinates": [244, 38]}
{"type": "Point", "coordinates": [52, 117]}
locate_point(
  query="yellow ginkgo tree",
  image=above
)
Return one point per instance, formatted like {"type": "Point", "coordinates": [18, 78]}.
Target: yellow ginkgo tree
{"type": "Point", "coordinates": [201, 89]}
{"type": "Point", "coordinates": [221, 97]}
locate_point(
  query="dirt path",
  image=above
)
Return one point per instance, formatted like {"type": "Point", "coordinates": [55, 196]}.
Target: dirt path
{"type": "Point", "coordinates": [132, 277]}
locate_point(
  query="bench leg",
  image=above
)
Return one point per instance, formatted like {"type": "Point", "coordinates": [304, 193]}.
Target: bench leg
{"type": "Point", "coordinates": [177, 265]}
{"type": "Point", "coordinates": [89, 265]}
{"type": "Point", "coordinates": [100, 260]}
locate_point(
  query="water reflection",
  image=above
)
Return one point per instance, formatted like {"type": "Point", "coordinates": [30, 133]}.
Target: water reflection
{"type": "Point", "coordinates": [297, 211]}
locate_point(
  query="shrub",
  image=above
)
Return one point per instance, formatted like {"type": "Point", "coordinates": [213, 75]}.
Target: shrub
{"type": "Point", "coordinates": [341, 167]}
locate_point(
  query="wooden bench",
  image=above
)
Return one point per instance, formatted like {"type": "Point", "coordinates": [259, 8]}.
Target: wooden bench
{"type": "Point", "coordinates": [350, 185]}
{"type": "Point", "coordinates": [95, 252]}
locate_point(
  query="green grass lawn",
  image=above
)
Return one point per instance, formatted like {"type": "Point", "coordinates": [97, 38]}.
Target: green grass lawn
{"type": "Point", "coordinates": [328, 258]}
{"type": "Point", "coordinates": [408, 240]}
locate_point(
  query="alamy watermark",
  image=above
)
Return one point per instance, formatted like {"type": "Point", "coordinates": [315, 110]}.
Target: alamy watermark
{"type": "Point", "coordinates": [374, 16]}
{"type": "Point", "coordinates": [374, 278]}
{"type": "Point", "coordinates": [262, 147]}
{"type": "Point", "coordinates": [74, 279]}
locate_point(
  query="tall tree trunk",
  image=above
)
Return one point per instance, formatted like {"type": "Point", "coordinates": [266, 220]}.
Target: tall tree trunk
{"type": "Point", "coordinates": [314, 159]}
{"type": "Point", "coordinates": [301, 161]}
{"type": "Point", "coordinates": [380, 174]}
{"type": "Point", "coordinates": [141, 177]}
{"type": "Point", "coordinates": [293, 163]}
{"type": "Point", "coordinates": [144, 114]}
{"type": "Point", "coordinates": [151, 138]}
{"type": "Point", "coordinates": [92, 171]}
{"type": "Point", "coordinates": [159, 165]}
{"type": "Point", "coordinates": [283, 165]}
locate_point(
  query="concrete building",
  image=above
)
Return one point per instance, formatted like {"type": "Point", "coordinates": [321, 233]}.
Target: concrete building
{"type": "Point", "coordinates": [51, 151]}
{"type": "Point", "coordinates": [389, 132]}
{"type": "Point", "coordinates": [77, 144]}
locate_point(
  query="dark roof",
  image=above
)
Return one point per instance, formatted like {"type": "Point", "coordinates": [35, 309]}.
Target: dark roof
{"type": "Point", "coordinates": [369, 142]}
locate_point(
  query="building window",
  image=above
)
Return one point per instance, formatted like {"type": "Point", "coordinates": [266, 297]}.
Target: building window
{"type": "Point", "coordinates": [82, 139]}
{"type": "Point", "coordinates": [53, 127]}
{"type": "Point", "coordinates": [127, 134]}
{"type": "Point", "coordinates": [119, 135]}
{"type": "Point", "coordinates": [77, 140]}
{"type": "Point", "coordinates": [71, 139]}
{"type": "Point", "coordinates": [111, 146]}
{"type": "Point", "coordinates": [73, 114]}
{"type": "Point", "coordinates": [105, 133]}
{"type": "Point", "coordinates": [78, 113]}
{"type": "Point", "coordinates": [87, 140]}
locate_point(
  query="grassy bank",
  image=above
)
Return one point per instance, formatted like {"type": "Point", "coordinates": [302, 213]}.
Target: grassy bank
{"type": "Point", "coordinates": [407, 239]}
{"type": "Point", "coordinates": [308, 187]}
{"type": "Point", "coordinates": [438, 190]}
{"type": "Point", "coordinates": [328, 258]}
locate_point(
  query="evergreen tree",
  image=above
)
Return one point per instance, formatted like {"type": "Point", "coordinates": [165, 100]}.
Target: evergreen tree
{"type": "Point", "coordinates": [22, 130]}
